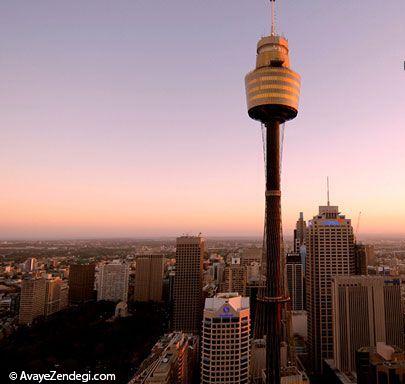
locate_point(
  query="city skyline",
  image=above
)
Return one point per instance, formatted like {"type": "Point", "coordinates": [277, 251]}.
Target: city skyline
{"type": "Point", "coordinates": [112, 126]}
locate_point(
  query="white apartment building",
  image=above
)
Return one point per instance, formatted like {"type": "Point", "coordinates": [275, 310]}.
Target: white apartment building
{"type": "Point", "coordinates": [226, 340]}
{"type": "Point", "coordinates": [113, 282]}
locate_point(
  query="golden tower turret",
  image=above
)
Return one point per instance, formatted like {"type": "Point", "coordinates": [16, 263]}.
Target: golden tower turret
{"type": "Point", "coordinates": [272, 89]}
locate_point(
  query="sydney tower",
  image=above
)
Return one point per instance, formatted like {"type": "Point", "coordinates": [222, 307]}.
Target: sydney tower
{"type": "Point", "coordinates": [272, 91]}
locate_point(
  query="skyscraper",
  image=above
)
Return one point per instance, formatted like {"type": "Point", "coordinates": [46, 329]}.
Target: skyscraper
{"type": "Point", "coordinates": [366, 311]}
{"type": "Point", "coordinates": [361, 259]}
{"type": "Point", "coordinates": [81, 283]}
{"type": "Point", "coordinates": [64, 295]}
{"type": "Point", "coordinates": [55, 295]}
{"type": "Point", "coordinates": [295, 281]}
{"type": "Point", "coordinates": [330, 252]}
{"type": "Point", "coordinates": [300, 233]}
{"type": "Point", "coordinates": [113, 281]}
{"type": "Point", "coordinates": [235, 277]}
{"type": "Point", "coordinates": [226, 340]}
{"type": "Point", "coordinates": [187, 295]}
{"type": "Point", "coordinates": [32, 300]}
{"type": "Point", "coordinates": [272, 92]}
{"type": "Point", "coordinates": [149, 278]}
{"type": "Point", "coordinates": [370, 254]}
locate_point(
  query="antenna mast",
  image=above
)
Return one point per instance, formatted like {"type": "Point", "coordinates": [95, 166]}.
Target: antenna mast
{"type": "Point", "coordinates": [273, 17]}
{"type": "Point", "coordinates": [327, 182]}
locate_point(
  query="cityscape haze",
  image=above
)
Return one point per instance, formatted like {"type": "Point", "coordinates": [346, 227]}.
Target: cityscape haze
{"type": "Point", "coordinates": [107, 107]}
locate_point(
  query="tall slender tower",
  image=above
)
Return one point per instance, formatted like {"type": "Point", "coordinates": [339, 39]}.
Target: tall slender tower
{"type": "Point", "coordinates": [272, 91]}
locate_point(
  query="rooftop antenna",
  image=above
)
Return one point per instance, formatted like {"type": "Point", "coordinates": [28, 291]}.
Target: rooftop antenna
{"type": "Point", "coordinates": [327, 182]}
{"type": "Point", "coordinates": [273, 17]}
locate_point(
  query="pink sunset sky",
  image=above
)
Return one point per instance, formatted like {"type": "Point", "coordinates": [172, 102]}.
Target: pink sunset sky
{"type": "Point", "coordinates": [128, 118]}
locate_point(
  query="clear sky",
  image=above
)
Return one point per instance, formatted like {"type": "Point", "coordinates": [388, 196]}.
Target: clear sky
{"type": "Point", "coordinates": [128, 117]}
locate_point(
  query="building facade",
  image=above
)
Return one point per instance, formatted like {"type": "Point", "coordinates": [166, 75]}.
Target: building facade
{"type": "Point", "coordinates": [188, 284]}
{"type": "Point", "coordinates": [29, 265]}
{"type": "Point", "coordinates": [366, 311]}
{"type": "Point", "coordinates": [330, 252]}
{"type": "Point", "coordinates": [225, 347]}
{"type": "Point", "coordinates": [81, 283]}
{"type": "Point", "coordinates": [382, 364]}
{"type": "Point", "coordinates": [32, 300]}
{"type": "Point", "coordinates": [300, 233]}
{"type": "Point", "coordinates": [361, 259]}
{"type": "Point", "coordinates": [173, 360]}
{"type": "Point", "coordinates": [295, 281]}
{"type": "Point", "coordinates": [235, 277]}
{"type": "Point", "coordinates": [55, 295]}
{"type": "Point", "coordinates": [149, 278]}
{"type": "Point", "coordinates": [113, 281]}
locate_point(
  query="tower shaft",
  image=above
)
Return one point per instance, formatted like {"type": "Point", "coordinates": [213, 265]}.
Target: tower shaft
{"type": "Point", "coordinates": [274, 297]}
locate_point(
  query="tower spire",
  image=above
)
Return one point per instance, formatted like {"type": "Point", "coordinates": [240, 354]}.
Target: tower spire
{"type": "Point", "coordinates": [327, 183]}
{"type": "Point", "coordinates": [273, 17]}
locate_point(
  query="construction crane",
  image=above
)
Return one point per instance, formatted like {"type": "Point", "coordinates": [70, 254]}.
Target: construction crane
{"type": "Point", "coordinates": [357, 227]}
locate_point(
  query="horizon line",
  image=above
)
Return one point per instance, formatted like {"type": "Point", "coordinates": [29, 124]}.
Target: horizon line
{"type": "Point", "coordinates": [380, 236]}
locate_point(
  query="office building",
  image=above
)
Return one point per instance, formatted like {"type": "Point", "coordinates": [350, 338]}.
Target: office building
{"type": "Point", "coordinates": [225, 347]}
{"type": "Point", "coordinates": [81, 283]}
{"type": "Point", "coordinates": [168, 287]}
{"type": "Point", "coordinates": [113, 281]}
{"type": "Point", "coordinates": [149, 278]}
{"type": "Point", "coordinates": [361, 259]}
{"type": "Point", "coordinates": [173, 359]}
{"type": "Point", "coordinates": [188, 286]}
{"type": "Point", "coordinates": [217, 272]}
{"type": "Point", "coordinates": [364, 257]}
{"type": "Point", "coordinates": [64, 295]}
{"type": "Point", "coordinates": [366, 311]}
{"type": "Point", "coordinates": [382, 364]}
{"type": "Point", "coordinates": [250, 255]}
{"type": "Point", "coordinates": [29, 265]}
{"type": "Point", "coordinates": [32, 300]}
{"type": "Point", "coordinates": [235, 277]}
{"type": "Point", "coordinates": [330, 252]}
{"type": "Point", "coordinates": [295, 281]}
{"type": "Point", "coordinates": [370, 254]}
{"type": "Point", "coordinates": [253, 272]}
{"type": "Point", "coordinates": [300, 233]}
{"type": "Point", "coordinates": [55, 295]}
